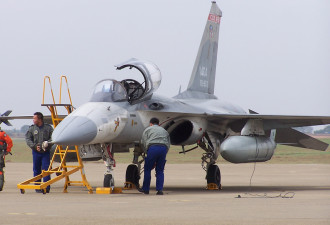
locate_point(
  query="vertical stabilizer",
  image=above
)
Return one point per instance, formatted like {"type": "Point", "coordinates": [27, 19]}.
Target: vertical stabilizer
{"type": "Point", "coordinates": [203, 75]}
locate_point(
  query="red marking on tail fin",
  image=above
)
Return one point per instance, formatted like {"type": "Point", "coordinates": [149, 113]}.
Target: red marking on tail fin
{"type": "Point", "coordinates": [214, 18]}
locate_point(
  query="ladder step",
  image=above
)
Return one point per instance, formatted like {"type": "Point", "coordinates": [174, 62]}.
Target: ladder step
{"type": "Point", "coordinates": [70, 166]}
{"type": "Point", "coordinates": [63, 151]}
{"type": "Point", "coordinates": [75, 182]}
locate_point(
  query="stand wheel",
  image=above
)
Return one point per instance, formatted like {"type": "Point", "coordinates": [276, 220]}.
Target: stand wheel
{"type": "Point", "coordinates": [22, 191]}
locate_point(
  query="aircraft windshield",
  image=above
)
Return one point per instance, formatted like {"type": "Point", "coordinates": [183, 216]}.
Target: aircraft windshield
{"type": "Point", "coordinates": [109, 91]}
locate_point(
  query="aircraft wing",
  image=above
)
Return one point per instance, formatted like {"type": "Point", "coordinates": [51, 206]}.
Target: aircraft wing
{"type": "Point", "coordinates": [237, 121]}
{"type": "Point", "coordinates": [282, 123]}
{"type": "Point", "coordinates": [272, 121]}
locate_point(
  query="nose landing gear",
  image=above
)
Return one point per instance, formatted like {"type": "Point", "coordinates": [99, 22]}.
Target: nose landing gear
{"type": "Point", "coordinates": [109, 162]}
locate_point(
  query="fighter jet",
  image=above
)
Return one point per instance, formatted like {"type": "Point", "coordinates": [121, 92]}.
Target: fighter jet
{"type": "Point", "coordinates": [119, 111]}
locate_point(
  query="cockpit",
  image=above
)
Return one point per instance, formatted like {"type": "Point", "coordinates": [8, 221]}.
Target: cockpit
{"type": "Point", "coordinates": [110, 90]}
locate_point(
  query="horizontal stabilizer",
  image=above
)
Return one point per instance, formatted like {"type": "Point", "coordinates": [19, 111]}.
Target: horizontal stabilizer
{"type": "Point", "coordinates": [5, 121]}
{"type": "Point", "coordinates": [6, 113]}
{"type": "Point", "coordinates": [289, 136]}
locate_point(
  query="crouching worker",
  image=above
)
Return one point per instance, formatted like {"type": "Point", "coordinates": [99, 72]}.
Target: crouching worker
{"type": "Point", "coordinates": [37, 138]}
{"type": "Point", "coordinates": [156, 143]}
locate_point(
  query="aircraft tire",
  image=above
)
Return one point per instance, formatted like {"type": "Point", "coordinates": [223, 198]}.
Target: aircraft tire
{"type": "Point", "coordinates": [108, 181]}
{"type": "Point", "coordinates": [133, 175]}
{"type": "Point", "coordinates": [213, 175]}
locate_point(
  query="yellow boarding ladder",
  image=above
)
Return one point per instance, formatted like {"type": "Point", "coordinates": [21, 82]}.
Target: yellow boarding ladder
{"type": "Point", "coordinates": [63, 170]}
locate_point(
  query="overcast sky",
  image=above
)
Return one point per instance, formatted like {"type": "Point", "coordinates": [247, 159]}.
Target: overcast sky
{"type": "Point", "coordinates": [274, 55]}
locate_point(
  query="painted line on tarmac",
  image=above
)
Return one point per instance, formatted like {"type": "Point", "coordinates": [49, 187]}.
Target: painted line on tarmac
{"type": "Point", "coordinates": [26, 214]}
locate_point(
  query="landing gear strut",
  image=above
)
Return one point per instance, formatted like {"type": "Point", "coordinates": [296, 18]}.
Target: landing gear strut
{"type": "Point", "coordinates": [211, 145]}
{"type": "Point", "coordinates": [109, 161]}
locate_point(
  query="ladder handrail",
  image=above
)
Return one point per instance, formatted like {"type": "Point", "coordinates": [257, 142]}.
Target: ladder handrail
{"type": "Point", "coordinates": [51, 89]}
{"type": "Point", "coordinates": [67, 87]}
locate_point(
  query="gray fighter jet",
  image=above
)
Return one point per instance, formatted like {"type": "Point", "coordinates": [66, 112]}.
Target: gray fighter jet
{"type": "Point", "coordinates": [118, 112]}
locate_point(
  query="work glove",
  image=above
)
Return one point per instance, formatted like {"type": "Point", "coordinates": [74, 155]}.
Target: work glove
{"type": "Point", "coordinates": [44, 145]}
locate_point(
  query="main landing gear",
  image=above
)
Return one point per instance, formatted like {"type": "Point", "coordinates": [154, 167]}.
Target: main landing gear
{"type": "Point", "coordinates": [211, 145]}
{"type": "Point", "coordinates": [132, 176]}
{"type": "Point", "coordinates": [133, 171]}
{"type": "Point", "coordinates": [213, 177]}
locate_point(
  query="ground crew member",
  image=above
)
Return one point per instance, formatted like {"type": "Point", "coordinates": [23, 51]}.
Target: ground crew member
{"type": "Point", "coordinates": [37, 138]}
{"type": "Point", "coordinates": [5, 141]}
{"type": "Point", "coordinates": [156, 143]}
{"type": "Point", "coordinates": [5, 147]}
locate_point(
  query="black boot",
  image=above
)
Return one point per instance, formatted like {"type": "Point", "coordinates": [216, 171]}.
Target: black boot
{"type": "Point", "coordinates": [143, 191]}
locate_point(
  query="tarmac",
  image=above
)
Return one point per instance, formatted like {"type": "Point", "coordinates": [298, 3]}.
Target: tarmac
{"type": "Point", "coordinates": [278, 194]}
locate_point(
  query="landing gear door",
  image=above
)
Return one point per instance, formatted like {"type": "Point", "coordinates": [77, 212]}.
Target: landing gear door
{"type": "Point", "coordinates": [138, 92]}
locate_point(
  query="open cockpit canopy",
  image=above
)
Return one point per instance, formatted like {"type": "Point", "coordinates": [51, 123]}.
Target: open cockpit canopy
{"type": "Point", "coordinates": [152, 78]}
{"type": "Point", "coordinates": [130, 90]}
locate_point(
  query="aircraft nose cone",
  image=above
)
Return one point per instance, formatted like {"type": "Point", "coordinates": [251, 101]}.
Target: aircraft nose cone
{"type": "Point", "coordinates": [76, 130]}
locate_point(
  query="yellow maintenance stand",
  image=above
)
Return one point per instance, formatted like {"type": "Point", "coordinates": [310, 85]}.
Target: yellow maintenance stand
{"type": "Point", "coordinates": [63, 170]}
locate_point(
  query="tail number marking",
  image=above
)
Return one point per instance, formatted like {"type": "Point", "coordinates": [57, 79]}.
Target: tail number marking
{"type": "Point", "coordinates": [214, 18]}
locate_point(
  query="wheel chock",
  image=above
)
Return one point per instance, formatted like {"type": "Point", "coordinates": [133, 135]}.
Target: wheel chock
{"type": "Point", "coordinates": [115, 190]}
{"type": "Point", "coordinates": [213, 186]}
{"type": "Point", "coordinates": [129, 186]}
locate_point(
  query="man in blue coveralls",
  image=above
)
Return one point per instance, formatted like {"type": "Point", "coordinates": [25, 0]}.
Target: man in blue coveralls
{"type": "Point", "coordinates": [37, 138]}
{"type": "Point", "coordinates": [156, 143]}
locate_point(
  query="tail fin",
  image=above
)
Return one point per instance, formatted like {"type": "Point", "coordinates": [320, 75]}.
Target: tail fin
{"type": "Point", "coordinates": [203, 75]}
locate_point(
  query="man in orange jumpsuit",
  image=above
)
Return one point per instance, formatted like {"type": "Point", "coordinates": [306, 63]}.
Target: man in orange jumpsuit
{"type": "Point", "coordinates": [5, 140]}
{"type": "Point", "coordinates": [5, 147]}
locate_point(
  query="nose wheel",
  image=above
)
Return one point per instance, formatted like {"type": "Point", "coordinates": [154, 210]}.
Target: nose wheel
{"type": "Point", "coordinates": [108, 181]}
